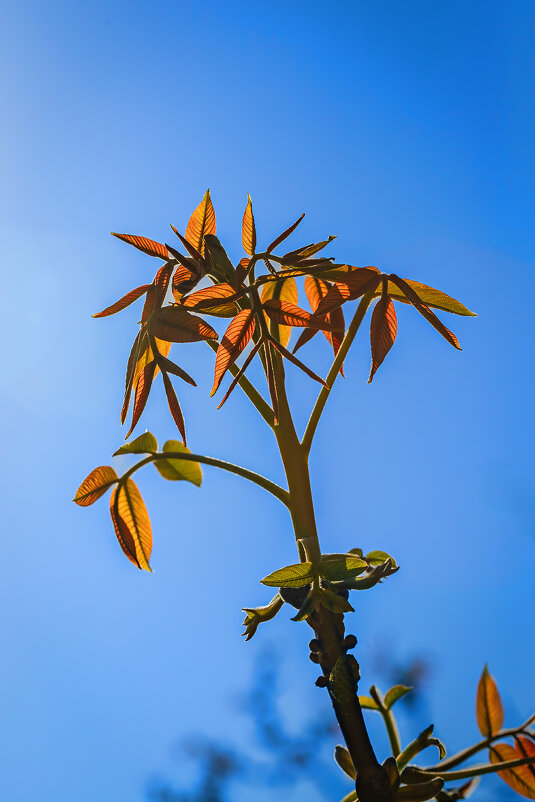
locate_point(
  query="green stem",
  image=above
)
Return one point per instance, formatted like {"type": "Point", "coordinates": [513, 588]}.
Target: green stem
{"type": "Point", "coordinates": [335, 369]}
{"type": "Point", "coordinates": [465, 754]}
{"type": "Point", "coordinates": [250, 391]}
{"type": "Point", "coordinates": [389, 721]}
{"type": "Point", "coordinates": [464, 774]}
{"type": "Point", "coordinates": [259, 480]}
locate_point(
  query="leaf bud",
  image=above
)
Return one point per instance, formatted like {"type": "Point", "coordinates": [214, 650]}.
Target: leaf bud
{"type": "Point", "coordinates": [350, 641]}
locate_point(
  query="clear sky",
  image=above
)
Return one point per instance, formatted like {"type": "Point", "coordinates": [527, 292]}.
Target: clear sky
{"type": "Point", "coordinates": [406, 128]}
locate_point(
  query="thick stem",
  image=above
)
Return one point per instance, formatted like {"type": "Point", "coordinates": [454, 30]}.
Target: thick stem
{"type": "Point", "coordinates": [372, 781]}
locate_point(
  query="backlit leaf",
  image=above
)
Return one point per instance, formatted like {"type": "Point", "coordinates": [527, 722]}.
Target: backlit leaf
{"type": "Point", "coordinates": [430, 297]}
{"type": "Point", "coordinates": [334, 602]}
{"type": "Point", "coordinates": [379, 557]}
{"type": "Point", "coordinates": [175, 325]}
{"type": "Point", "coordinates": [291, 315]}
{"type": "Point", "coordinates": [248, 229]}
{"type": "Point", "coordinates": [395, 693]}
{"type": "Point", "coordinates": [367, 703]}
{"type": "Point", "coordinates": [425, 311]}
{"type": "Point", "coordinates": [235, 381]}
{"type": "Point", "coordinates": [232, 344]}
{"type": "Point", "coordinates": [343, 758]}
{"type": "Point", "coordinates": [522, 778]}
{"type": "Point", "coordinates": [176, 469]}
{"type": "Point", "coordinates": [174, 406]}
{"type": "Point", "coordinates": [156, 293]}
{"type": "Point", "coordinates": [383, 329]}
{"type": "Point", "coordinates": [169, 367]}
{"type": "Point", "coordinates": [218, 264]}
{"type": "Point", "coordinates": [285, 234]}
{"type": "Point", "coordinates": [144, 244]}
{"type": "Point", "coordinates": [341, 568]}
{"type": "Point", "coordinates": [210, 300]}
{"type": "Point", "coordinates": [258, 615]}
{"type": "Point", "coordinates": [183, 281]}
{"type": "Point", "coordinates": [144, 383]}
{"type": "Point", "coordinates": [201, 222]}
{"type": "Point", "coordinates": [283, 290]}
{"type": "Point", "coordinates": [143, 444]}
{"type": "Point", "coordinates": [291, 576]}
{"type": "Point", "coordinates": [132, 523]}
{"type": "Point", "coordinates": [303, 253]}
{"type": "Point", "coordinates": [489, 708]}
{"type": "Point", "coordinates": [95, 485]}
{"type": "Point", "coordinates": [123, 302]}
{"type": "Point", "coordinates": [297, 362]}
{"type": "Point", "coordinates": [316, 290]}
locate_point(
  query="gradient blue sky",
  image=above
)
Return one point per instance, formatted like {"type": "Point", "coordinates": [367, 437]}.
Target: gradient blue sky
{"type": "Point", "coordinates": [407, 130]}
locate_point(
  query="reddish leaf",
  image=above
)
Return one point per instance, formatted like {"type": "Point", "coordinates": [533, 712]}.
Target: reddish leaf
{"type": "Point", "coordinates": [234, 341]}
{"type": "Point", "coordinates": [425, 311]}
{"type": "Point", "coordinates": [383, 331]}
{"type": "Point", "coordinates": [167, 366]}
{"type": "Point", "coordinates": [248, 229]}
{"type": "Point", "coordinates": [241, 372]}
{"type": "Point", "coordinates": [144, 383]}
{"type": "Point", "coordinates": [132, 523]}
{"type": "Point", "coordinates": [174, 406]}
{"type": "Point", "coordinates": [95, 485]}
{"type": "Point", "coordinates": [144, 244]}
{"type": "Point", "coordinates": [178, 326]}
{"type": "Point", "coordinates": [140, 356]}
{"type": "Point", "coordinates": [336, 295]}
{"type": "Point", "coordinates": [316, 289]}
{"type": "Point", "coordinates": [201, 222]}
{"type": "Point", "coordinates": [157, 290]}
{"type": "Point", "coordinates": [489, 708]}
{"type": "Point", "coordinates": [123, 302]}
{"type": "Point", "coordinates": [242, 270]}
{"type": "Point", "coordinates": [282, 290]}
{"type": "Point", "coordinates": [209, 300]}
{"type": "Point", "coordinates": [303, 253]}
{"type": "Point", "coordinates": [193, 252]}
{"type": "Point", "coordinates": [183, 281]}
{"type": "Point", "coordinates": [292, 315]}
{"type": "Point", "coordinates": [521, 779]}
{"type": "Point", "coordinates": [285, 234]}
{"type": "Point", "coordinates": [291, 358]}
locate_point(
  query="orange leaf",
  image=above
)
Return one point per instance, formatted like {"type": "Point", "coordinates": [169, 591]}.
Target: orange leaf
{"type": "Point", "coordinates": [232, 344]}
{"type": "Point", "coordinates": [291, 358]}
{"type": "Point", "coordinates": [425, 311]}
{"type": "Point", "coordinates": [209, 300]}
{"type": "Point", "coordinates": [123, 302]}
{"type": "Point", "coordinates": [144, 244]}
{"type": "Point", "coordinates": [286, 233]}
{"type": "Point", "coordinates": [242, 270]}
{"type": "Point", "coordinates": [283, 290]}
{"type": "Point", "coordinates": [144, 383]}
{"type": "Point", "coordinates": [178, 326]}
{"type": "Point", "coordinates": [183, 281]}
{"type": "Point", "coordinates": [174, 406]}
{"type": "Point", "coordinates": [201, 222]}
{"type": "Point", "coordinates": [292, 315]}
{"type": "Point", "coordinates": [521, 778]}
{"type": "Point", "coordinates": [316, 290]}
{"type": "Point", "coordinates": [95, 485]}
{"type": "Point", "coordinates": [383, 331]}
{"type": "Point", "coordinates": [489, 708]}
{"type": "Point", "coordinates": [157, 290]}
{"type": "Point", "coordinates": [241, 372]}
{"type": "Point", "coordinates": [248, 229]}
{"type": "Point", "coordinates": [132, 523]}
{"type": "Point", "coordinates": [430, 297]}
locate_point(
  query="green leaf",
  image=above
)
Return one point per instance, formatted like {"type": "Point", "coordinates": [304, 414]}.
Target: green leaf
{"type": "Point", "coordinates": [334, 602]}
{"type": "Point", "coordinates": [257, 615]}
{"type": "Point", "coordinates": [419, 792]}
{"type": "Point", "coordinates": [367, 703]}
{"type": "Point", "coordinates": [343, 758]}
{"type": "Point", "coordinates": [340, 567]}
{"type": "Point", "coordinates": [176, 469]}
{"type": "Point", "coordinates": [430, 297]}
{"type": "Point", "coordinates": [420, 743]}
{"type": "Point", "coordinates": [395, 693]}
{"type": "Point", "coordinates": [308, 607]}
{"type": "Point", "coordinates": [378, 557]}
{"type": "Point", "coordinates": [144, 444]}
{"type": "Point", "coordinates": [291, 576]}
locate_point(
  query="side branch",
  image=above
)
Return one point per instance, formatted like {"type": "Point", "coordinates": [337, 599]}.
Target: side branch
{"type": "Point", "coordinates": [333, 372]}
{"type": "Point", "coordinates": [277, 491]}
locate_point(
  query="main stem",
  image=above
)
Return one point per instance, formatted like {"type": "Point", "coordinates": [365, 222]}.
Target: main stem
{"type": "Point", "coordinates": [372, 781]}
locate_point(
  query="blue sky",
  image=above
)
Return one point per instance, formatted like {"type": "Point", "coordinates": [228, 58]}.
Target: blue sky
{"type": "Point", "coordinates": [404, 128]}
